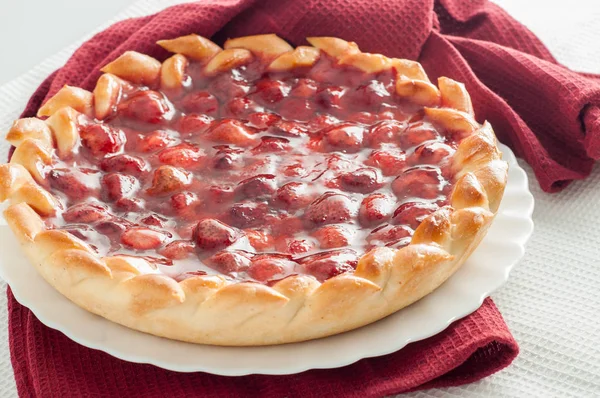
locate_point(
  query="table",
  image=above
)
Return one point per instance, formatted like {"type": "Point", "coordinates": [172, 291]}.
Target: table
{"type": "Point", "coordinates": [552, 300]}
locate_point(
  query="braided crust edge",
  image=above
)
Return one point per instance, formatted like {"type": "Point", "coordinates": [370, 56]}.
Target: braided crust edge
{"type": "Point", "coordinates": [212, 309]}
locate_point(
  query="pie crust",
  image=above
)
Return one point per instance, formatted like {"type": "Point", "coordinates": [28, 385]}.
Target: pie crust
{"type": "Point", "coordinates": [217, 309]}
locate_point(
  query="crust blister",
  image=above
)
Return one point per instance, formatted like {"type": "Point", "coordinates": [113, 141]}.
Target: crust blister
{"type": "Point", "coordinates": [135, 67]}
{"type": "Point", "coordinates": [267, 47]}
{"type": "Point", "coordinates": [418, 91]}
{"type": "Point", "coordinates": [212, 309]}
{"type": "Point", "coordinates": [106, 95]}
{"type": "Point", "coordinates": [192, 46]}
{"type": "Point", "coordinates": [300, 57]}
{"type": "Point", "coordinates": [32, 155]}
{"type": "Point", "coordinates": [30, 128]}
{"type": "Point", "coordinates": [172, 73]}
{"type": "Point", "coordinates": [74, 97]}
{"type": "Point", "coordinates": [227, 60]}
{"type": "Point", "coordinates": [64, 126]}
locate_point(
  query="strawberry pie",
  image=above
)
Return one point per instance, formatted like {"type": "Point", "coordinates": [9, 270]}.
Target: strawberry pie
{"type": "Point", "coordinates": [253, 193]}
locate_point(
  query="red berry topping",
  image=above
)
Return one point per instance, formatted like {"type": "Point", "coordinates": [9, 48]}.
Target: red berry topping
{"type": "Point", "coordinates": [118, 186]}
{"type": "Point", "coordinates": [101, 139]}
{"type": "Point", "coordinates": [388, 234]}
{"type": "Point", "coordinates": [375, 209]}
{"type": "Point", "coordinates": [169, 179]}
{"type": "Point", "coordinates": [112, 227]}
{"type": "Point", "coordinates": [363, 180]}
{"type": "Point", "coordinates": [329, 264]}
{"type": "Point", "coordinates": [423, 183]}
{"type": "Point", "coordinates": [412, 213]}
{"type": "Point", "coordinates": [244, 215]}
{"type": "Point", "coordinates": [362, 117]}
{"type": "Point", "coordinates": [304, 88]}
{"type": "Point", "coordinates": [332, 236]}
{"type": "Point", "coordinates": [154, 141]}
{"type": "Point", "coordinates": [330, 208]}
{"type": "Point", "coordinates": [305, 170]}
{"type": "Point", "coordinates": [183, 155]}
{"type": "Point", "coordinates": [293, 195]}
{"type": "Point", "coordinates": [141, 238]}
{"type": "Point", "coordinates": [323, 122]}
{"type": "Point", "coordinates": [146, 106]}
{"type": "Point", "coordinates": [390, 162]}
{"type": "Point", "coordinates": [297, 109]}
{"type": "Point", "coordinates": [185, 203]}
{"type": "Point", "coordinates": [211, 234]}
{"type": "Point", "coordinates": [262, 120]}
{"type": "Point", "coordinates": [259, 240]}
{"type": "Point", "coordinates": [417, 134]}
{"type": "Point", "coordinates": [369, 95]}
{"type": "Point", "coordinates": [268, 267]}
{"type": "Point", "coordinates": [201, 102]}
{"type": "Point", "coordinates": [260, 186]}
{"type": "Point", "coordinates": [272, 144]}
{"type": "Point", "coordinates": [154, 220]}
{"type": "Point", "coordinates": [231, 131]}
{"type": "Point", "coordinates": [129, 204]}
{"type": "Point", "coordinates": [271, 91]}
{"type": "Point", "coordinates": [242, 108]}
{"type": "Point", "coordinates": [194, 124]}
{"type": "Point", "coordinates": [288, 128]}
{"type": "Point", "coordinates": [225, 87]}
{"type": "Point", "coordinates": [127, 164]}
{"type": "Point", "coordinates": [227, 158]}
{"type": "Point", "coordinates": [227, 262]}
{"type": "Point", "coordinates": [218, 194]}
{"type": "Point", "coordinates": [346, 138]}
{"type": "Point", "coordinates": [430, 153]}
{"type": "Point", "coordinates": [178, 250]}
{"type": "Point", "coordinates": [330, 97]}
{"type": "Point", "coordinates": [86, 213]}
{"type": "Point", "coordinates": [384, 132]}
{"type": "Point", "coordinates": [76, 184]}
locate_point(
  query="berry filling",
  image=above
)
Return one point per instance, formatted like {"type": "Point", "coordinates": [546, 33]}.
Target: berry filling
{"type": "Point", "coordinates": [255, 175]}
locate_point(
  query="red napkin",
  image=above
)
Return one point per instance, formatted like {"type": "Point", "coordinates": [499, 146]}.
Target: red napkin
{"type": "Point", "coordinates": [548, 114]}
{"type": "Point", "coordinates": [47, 363]}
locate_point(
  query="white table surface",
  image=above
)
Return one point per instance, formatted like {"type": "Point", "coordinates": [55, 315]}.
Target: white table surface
{"type": "Point", "coordinates": [552, 300]}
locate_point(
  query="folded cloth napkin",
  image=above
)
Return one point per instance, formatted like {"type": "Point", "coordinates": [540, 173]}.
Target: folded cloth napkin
{"type": "Point", "coordinates": [548, 114]}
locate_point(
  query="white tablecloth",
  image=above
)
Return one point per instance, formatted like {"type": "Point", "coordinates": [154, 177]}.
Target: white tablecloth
{"type": "Point", "coordinates": [552, 300]}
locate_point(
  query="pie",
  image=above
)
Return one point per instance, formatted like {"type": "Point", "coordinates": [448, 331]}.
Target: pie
{"type": "Point", "coordinates": [252, 194]}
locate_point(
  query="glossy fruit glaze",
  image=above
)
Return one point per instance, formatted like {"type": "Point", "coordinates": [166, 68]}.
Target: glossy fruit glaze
{"type": "Point", "coordinates": [257, 176]}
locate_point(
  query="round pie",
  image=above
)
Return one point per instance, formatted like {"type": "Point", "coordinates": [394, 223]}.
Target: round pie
{"type": "Point", "coordinates": [252, 194]}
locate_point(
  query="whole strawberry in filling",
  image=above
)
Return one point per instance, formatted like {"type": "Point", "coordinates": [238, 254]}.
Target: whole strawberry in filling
{"type": "Point", "coordinates": [256, 176]}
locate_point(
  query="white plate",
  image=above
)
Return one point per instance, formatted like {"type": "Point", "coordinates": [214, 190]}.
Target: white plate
{"type": "Point", "coordinates": [485, 271]}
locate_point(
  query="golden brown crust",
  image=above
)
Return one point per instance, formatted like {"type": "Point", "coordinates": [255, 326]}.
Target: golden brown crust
{"type": "Point", "coordinates": [267, 46]}
{"type": "Point", "coordinates": [106, 95]}
{"type": "Point", "coordinates": [75, 97]}
{"type": "Point", "coordinates": [192, 46]}
{"type": "Point", "coordinates": [135, 68]}
{"type": "Point", "coordinates": [300, 57]}
{"type": "Point", "coordinates": [33, 155]}
{"type": "Point", "coordinates": [172, 73]}
{"type": "Point", "coordinates": [227, 60]}
{"type": "Point", "coordinates": [214, 309]}
{"type": "Point", "coordinates": [30, 127]}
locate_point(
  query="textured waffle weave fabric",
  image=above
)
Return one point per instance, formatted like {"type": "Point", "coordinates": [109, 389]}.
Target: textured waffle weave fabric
{"type": "Point", "coordinates": [45, 367]}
